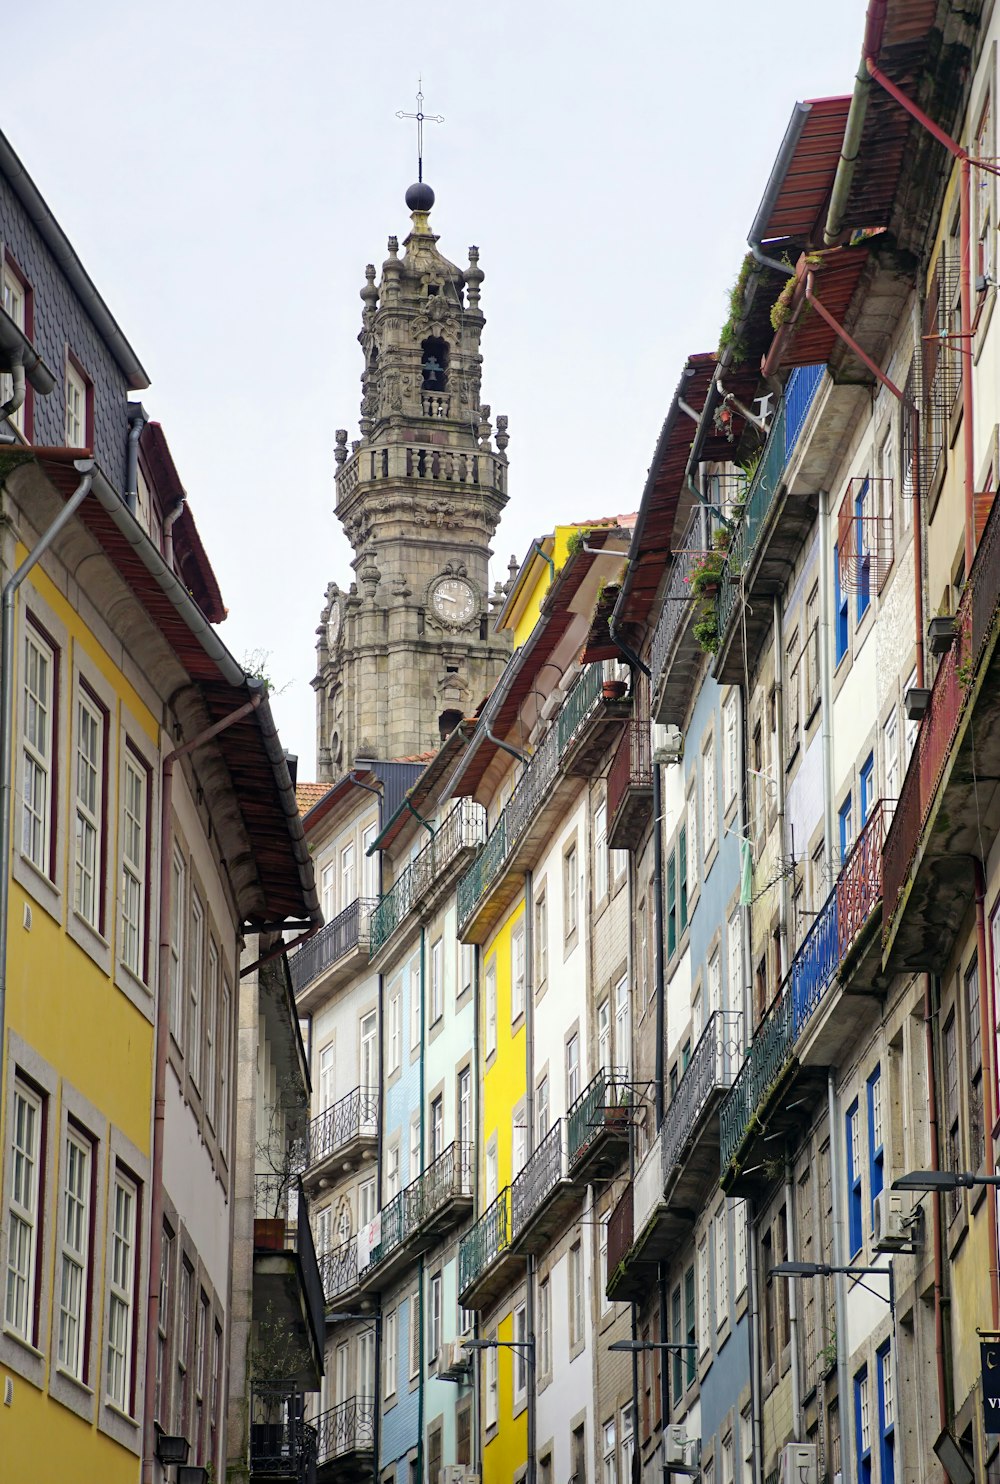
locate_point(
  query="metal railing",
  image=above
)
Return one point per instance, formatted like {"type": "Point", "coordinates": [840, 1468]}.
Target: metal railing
{"type": "Point", "coordinates": [449, 1176]}
{"type": "Point", "coordinates": [484, 470]}
{"type": "Point", "coordinates": [464, 827]}
{"type": "Point", "coordinates": [632, 764]}
{"type": "Point", "coordinates": [647, 1183]}
{"type": "Point", "coordinates": [338, 1270]}
{"type": "Point", "coordinates": [578, 703]}
{"type": "Point", "coordinates": [484, 870]}
{"type": "Point", "coordinates": [603, 1102]}
{"type": "Point", "coordinates": [347, 931]}
{"type": "Point", "coordinates": [349, 1427]}
{"type": "Point", "coordinates": [766, 1058]}
{"type": "Point", "coordinates": [488, 1239]}
{"type": "Point", "coordinates": [620, 1231]}
{"type": "Point", "coordinates": [786, 425]}
{"type": "Point", "coordinates": [713, 1065]}
{"type": "Point", "coordinates": [678, 603]}
{"type": "Point", "coordinates": [540, 1176]}
{"type": "Point", "coordinates": [353, 1116]}
{"type": "Point", "coordinates": [282, 1443]}
{"type": "Point", "coordinates": [280, 1201]}
{"type": "Point", "coordinates": [815, 964]}
{"type": "Point", "coordinates": [859, 885]}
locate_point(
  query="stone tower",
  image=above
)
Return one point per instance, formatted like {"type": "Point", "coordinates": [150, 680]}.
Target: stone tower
{"type": "Point", "coordinates": [408, 649]}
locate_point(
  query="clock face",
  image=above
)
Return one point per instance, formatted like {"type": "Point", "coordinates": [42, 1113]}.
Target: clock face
{"type": "Point", "coordinates": [454, 600]}
{"type": "Point", "coordinates": [333, 626]}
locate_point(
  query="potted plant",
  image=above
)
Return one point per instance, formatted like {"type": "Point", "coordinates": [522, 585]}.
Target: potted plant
{"type": "Point", "coordinates": [706, 629]}
{"type": "Point", "coordinates": [706, 574]}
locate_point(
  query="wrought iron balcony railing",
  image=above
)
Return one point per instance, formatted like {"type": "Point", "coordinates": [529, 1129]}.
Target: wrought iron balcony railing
{"type": "Point", "coordinates": [347, 931]}
{"type": "Point", "coordinates": [349, 1427]}
{"type": "Point", "coordinates": [338, 1270]}
{"type": "Point", "coordinates": [488, 1240]}
{"type": "Point", "coordinates": [354, 1116]}
{"type": "Point", "coordinates": [713, 1065]}
{"type": "Point", "coordinates": [632, 764]}
{"type": "Point", "coordinates": [449, 1176]}
{"type": "Point", "coordinates": [282, 1443]}
{"type": "Point", "coordinates": [464, 827]}
{"type": "Point", "coordinates": [786, 426]}
{"type": "Point", "coordinates": [540, 1176]}
{"type": "Point", "coordinates": [605, 1099]}
{"type": "Point", "coordinates": [578, 703]}
{"type": "Point", "coordinates": [678, 602]}
{"type": "Point", "coordinates": [621, 1227]}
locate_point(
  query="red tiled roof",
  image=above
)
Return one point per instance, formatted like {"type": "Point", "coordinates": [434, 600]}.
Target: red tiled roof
{"type": "Point", "coordinates": [308, 794]}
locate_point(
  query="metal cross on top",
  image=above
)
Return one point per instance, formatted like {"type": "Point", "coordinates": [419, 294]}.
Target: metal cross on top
{"type": "Point", "coordinates": [421, 118]}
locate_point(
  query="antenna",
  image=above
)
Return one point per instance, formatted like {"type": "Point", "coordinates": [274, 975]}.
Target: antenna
{"type": "Point", "coordinates": [421, 118]}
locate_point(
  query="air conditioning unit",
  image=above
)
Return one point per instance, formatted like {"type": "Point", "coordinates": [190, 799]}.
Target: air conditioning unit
{"type": "Point", "coordinates": [890, 1219]}
{"type": "Point", "coordinates": [455, 1363]}
{"type": "Point", "coordinates": [457, 1473]}
{"type": "Point", "coordinates": [798, 1464]}
{"type": "Point", "coordinates": [667, 743]}
{"type": "Point", "coordinates": [681, 1453]}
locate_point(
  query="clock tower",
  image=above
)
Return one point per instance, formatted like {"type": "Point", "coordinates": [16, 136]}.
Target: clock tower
{"type": "Point", "coordinates": [408, 648]}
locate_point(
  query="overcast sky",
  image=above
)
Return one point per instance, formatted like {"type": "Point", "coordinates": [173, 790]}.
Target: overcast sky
{"type": "Point", "coordinates": [226, 169]}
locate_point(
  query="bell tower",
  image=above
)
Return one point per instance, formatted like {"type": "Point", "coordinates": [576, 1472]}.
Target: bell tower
{"type": "Point", "coordinates": [408, 649]}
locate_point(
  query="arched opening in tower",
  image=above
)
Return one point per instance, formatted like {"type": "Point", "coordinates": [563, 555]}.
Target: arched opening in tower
{"type": "Point", "coordinates": [434, 364]}
{"type": "Point", "coordinates": [447, 722]}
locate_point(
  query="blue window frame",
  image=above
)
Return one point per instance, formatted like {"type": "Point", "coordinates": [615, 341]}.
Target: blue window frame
{"type": "Point", "coordinates": [846, 819]}
{"type": "Point", "coordinates": [840, 604]}
{"type": "Point", "coordinates": [876, 1150]}
{"type": "Point", "coordinates": [671, 906]}
{"type": "Point", "coordinates": [853, 1122]}
{"type": "Point", "coordinates": [866, 787]}
{"type": "Point", "coordinates": [863, 1426]}
{"type": "Point", "coordinates": [862, 553]}
{"type": "Point", "coordinates": [886, 1415]}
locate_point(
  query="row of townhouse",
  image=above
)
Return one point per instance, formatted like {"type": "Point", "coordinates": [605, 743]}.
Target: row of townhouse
{"type": "Point", "coordinates": [149, 842]}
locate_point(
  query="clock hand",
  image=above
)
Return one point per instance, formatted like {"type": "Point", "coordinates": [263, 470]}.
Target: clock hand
{"type": "Point", "coordinates": [446, 598]}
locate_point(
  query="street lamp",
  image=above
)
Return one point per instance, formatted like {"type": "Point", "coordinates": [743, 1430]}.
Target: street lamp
{"type": "Point", "coordinates": [933, 1181]}
{"type": "Point", "coordinates": [528, 1344]}
{"type": "Point", "coordinates": [828, 1270]}
{"type": "Point", "coordinates": [628, 1345]}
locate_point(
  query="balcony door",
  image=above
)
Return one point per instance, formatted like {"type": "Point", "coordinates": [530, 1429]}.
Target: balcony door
{"type": "Point", "coordinates": [369, 1052]}
{"type": "Point", "coordinates": [366, 1364]}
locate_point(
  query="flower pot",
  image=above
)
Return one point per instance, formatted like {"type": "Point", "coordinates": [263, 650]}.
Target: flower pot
{"type": "Point", "coordinates": [614, 690]}
{"type": "Point", "coordinates": [942, 633]}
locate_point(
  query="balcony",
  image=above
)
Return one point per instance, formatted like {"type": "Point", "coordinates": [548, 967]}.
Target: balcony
{"type": "Point", "coordinates": [341, 1137]}
{"type": "Point", "coordinates": [828, 997]}
{"type": "Point", "coordinates": [430, 872]}
{"type": "Point", "coordinates": [430, 464]}
{"type": "Point", "coordinates": [630, 787]}
{"type": "Point", "coordinates": [597, 1125]}
{"type": "Point", "coordinates": [675, 656]}
{"type": "Point", "coordinates": [542, 1194]}
{"type": "Point", "coordinates": [287, 1290]}
{"type": "Point", "coordinates": [681, 1165]}
{"type": "Point", "coordinates": [345, 1441]}
{"type": "Point", "coordinates": [282, 1443]}
{"type": "Point", "coordinates": [486, 1263]}
{"type": "Point", "coordinates": [768, 535]}
{"type": "Point", "coordinates": [948, 804]}
{"type": "Point", "coordinates": [338, 1272]}
{"type": "Point", "coordinates": [579, 735]}
{"type": "Point", "coordinates": [418, 1216]}
{"type": "Point", "coordinates": [328, 960]}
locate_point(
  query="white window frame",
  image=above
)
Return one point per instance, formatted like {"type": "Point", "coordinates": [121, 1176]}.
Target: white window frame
{"type": "Point", "coordinates": [120, 1320]}
{"type": "Point", "coordinates": [369, 863]}
{"type": "Point", "coordinates": [135, 808]}
{"type": "Point", "coordinates": [623, 1024]}
{"type": "Point", "coordinates": [437, 980]}
{"type": "Point", "coordinates": [74, 1252]}
{"type": "Point", "coordinates": [601, 872]}
{"type": "Point", "coordinates": [517, 971]}
{"type": "Point", "coordinates": [545, 1326]}
{"type": "Point", "coordinates": [520, 1356]}
{"type": "Point", "coordinates": [88, 885]}
{"type": "Point", "coordinates": [571, 892]}
{"type": "Point", "coordinates": [721, 1250]}
{"type": "Point", "coordinates": [348, 892]}
{"type": "Point", "coordinates": [491, 1006]}
{"type": "Point", "coordinates": [573, 1069]}
{"type": "Point", "coordinates": [435, 1310]}
{"type": "Point", "coordinates": [709, 812]}
{"type": "Point", "coordinates": [23, 1232]}
{"type": "Point", "coordinates": [75, 419]}
{"type": "Point", "coordinates": [196, 988]}
{"type": "Point", "coordinates": [492, 1390]}
{"type": "Point", "coordinates": [541, 941]}
{"type": "Point", "coordinates": [391, 1357]}
{"type": "Point", "coordinates": [178, 916]}
{"type": "Point", "coordinates": [15, 301]}
{"type": "Point", "coordinates": [730, 753]}
{"type": "Point", "coordinates": [38, 698]}
{"type": "Point", "coordinates": [415, 1336]}
{"type": "Point", "coordinates": [576, 1308]}
{"type": "Point", "coordinates": [609, 1452]}
{"type": "Point", "coordinates": [211, 1029]}
{"type": "Point", "coordinates": [395, 1012]}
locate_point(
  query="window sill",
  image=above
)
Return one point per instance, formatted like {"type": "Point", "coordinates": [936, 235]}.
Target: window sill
{"type": "Point", "coordinates": [74, 1381]}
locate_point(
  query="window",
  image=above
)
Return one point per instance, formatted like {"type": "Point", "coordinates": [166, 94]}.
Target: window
{"type": "Point", "coordinates": [77, 389]}
{"type": "Point", "coordinates": [727, 1459]}
{"type": "Point", "coordinates": [740, 1232]}
{"type": "Point", "coordinates": [704, 1328]}
{"type": "Point", "coordinates": [570, 892]}
{"type": "Point", "coordinates": [329, 894]}
{"type": "Point", "coordinates": [572, 1069]}
{"type": "Point", "coordinates": [88, 883]}
{"type": "Point", "coordinates": [910, 727]}
{"type": "Point", "coordinates": [185, 1290]}
{"type": "Point", "coordinates": [211, 1018]}
{"type": "Point", "coordinates": [347, 889]}
{"type": "Point", "coordinates": [604, 1030]}
{"type": "Point", "coordinates": [682, 878]}
{"type": "Point", "coordinates": [623, 1025]}
{"type": "Point", "coordinates": [224, 1053]}
{"type": "Point", "coordinates": [973, 1040]}
{"type": "Point", "coordinates": [16, 298]}
{"type": "Point", "coordinates": [437, 1127]}
{"type": "Point", "coordinates": [602, 1269]}
{"type": "Point", "coordinates": [178, 910]}
{"type": "Point", "coordinates": [368, 1042]}
{"type": "Point", "coordinates": [691, 837]}
{"type": "Point", "coordinates": [392, 1185]}
{"type": "Point", "coordinates": [492, 1389]}
{"type": "Point", "coordinates": [134, 810]}
{"type": "Point", "coordinates": [517, 971]}
{"type": "Point", "coordinates": [863, 548]}
{"type": "Point", "coordinates": [416, 1008]}
{"type": "Point", "coordinates": [793, 672]}
{"type": "Point", "coordinates": [677, 1338]}
{"type": "Point", "coordinates": [890, 754]}
{"type": "Point", "coordinates": [854, 1178]}
{"type": "Point", "coordinates": [415, 1148]}
{"type": "Point", "coordinates": [840, 611]}
{"type": "Point", "coordinates": [708, 812]}
{"type": "Point", "coordinates": [721, 1268]}
{"type": "Point", "coordinates": [492, 1174]}
{"type": "Point", "coordinates": [415, 1337]}
{"type": "Point", "coordinates": [984, 188]}
{"type": "Point", "coordinates": [576, 1322]}
{"type": "Point", "coordinates": [520, 1356]}
{"type": "Point", "coordinates": [74, 1256]}
{"type": "Point", "coordinates": [196, 971]}
{"type": "Point", "coordinates": [366, 1203]}
{"type": "Point", "coordinates": [866, 788]}
{"type": "Point", "coordinates": [366, 1364]}
{"type": "Point", "coordinates": [609, 1449]}
{"type": "Point", "coordinates": [466, 966]}
{"type": "Point", "coordinates": [37, 761]}
{"type": "Point", "coordinates": [464, 1105]}
{"type": "Point", "coordinates": [541, 1109]}
{"type": "Point", "coordinates": [437, 980]}
{"type": "Point", "coordinates": [735, 987]}
{"type": "Point", "coordinates": [544, 1327]}
{"type": "Point", "coordinates": [671, 905]}
{"type": "Point", "coordinates": [395, 1030]}
{"type": "Point", "coordinates": [600, 853]}
{"type": "Point", "coordinates": [845, 816]}
{"type": "Point", "coordinates": [541, 943]}
{"type": "Point", "coordinates": [200, 1333]}
{"type": "Point", "coordinates": [691, 1331]}
{"type": "Point", "coordinates": [953, 1153]}
{"type": "Point", "coordinates": [876, 1148]}
{"type": "Point", "coordinates": [886, 1416]}
{"type": "Point", "coordinates": [391, 1348]}
{"type": "Point", "coordinates": [23, 1216]}
{"type": "Point", "coordinates": [714, 984]}
{"type": "Point", "coordinates": [628, 1444]}
{"type": "Point", "coordinates": [369, 863]}
{"type": "Point", "coordinates": [164, 1330]}
{"type": "Point", "coordinates": [812, 651]}
{"type": "Point", "coordinates": [121, 1298]}
{"type": "Point", "coordinates": [863, 1426]}
{"type": "Point", "coordinates": [491, 1007]}
{"type": "Point", "coordinates": [730, 753]}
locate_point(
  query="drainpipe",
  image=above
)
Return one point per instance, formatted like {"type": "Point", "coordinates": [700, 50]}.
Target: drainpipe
{"type": "Point", "coordinates": [161, 1043]}
{"type": "Point", "coordinates": [779, 170]}
{"type": "Point", "coordinates": [138, 418]}
{"type": "Point", "coordinates": [918, 533]}
{"type": "Point", "coordinates": [477, 1124]}
{"type": "Point", "coordinates": [419, 817]}
{"type": "Point", "coordinates": [793, 1304]}
{"type": "Point", "coordinates": [987, 1041]}
{"type": "Point", "coordinates": [826, 681]}
{"type": "Point", "coordinates": [15, 400]}
{"type": "Point", "coordinates": [168, 533]}
{"type": "Point", "coordinates": [757, 1463]}
{"type": "Point", "coordinates": [939, 1346]}
{"type": "Point", "coordinates": [515, 752]}
{"type": "Point", "coordinates": [531, 1407]}
{"type": "Point", "coordinates": [870, 47]}
{"type": "Point", "coordinates": [423, 1164]}
{"type": "Point", "coordinates": [845, 1401]}
{"type": "Point", "coordinates": [536, 546]}
{"type": "Point", "coordinates": [778, 642]}
{"type": "Point", "coordinates": [84, 468]}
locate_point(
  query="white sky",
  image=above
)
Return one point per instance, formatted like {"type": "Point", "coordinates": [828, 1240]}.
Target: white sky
{"type": "Point", "coordinates": [226, 169]}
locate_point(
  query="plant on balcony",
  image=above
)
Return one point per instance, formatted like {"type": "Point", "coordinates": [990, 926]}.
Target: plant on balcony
{"type": "Point", "coordinates": [706, 573]}
{"type": "Point", "coordinates": [729, 336]}
{"type": "Point", "coordinates": [781, 309]}
{"type": "Point", "coordinates": [706, 628]}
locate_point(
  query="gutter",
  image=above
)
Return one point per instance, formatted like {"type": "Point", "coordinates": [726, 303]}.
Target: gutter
{"type": "Point", "coordinates": [138, 417]}
{"type": "Point", "coordinates": [21, 351]}
{"type": "Point", "coordinates": [779, 170]}
{"type": "Point", "coordinates": [853, 129]}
